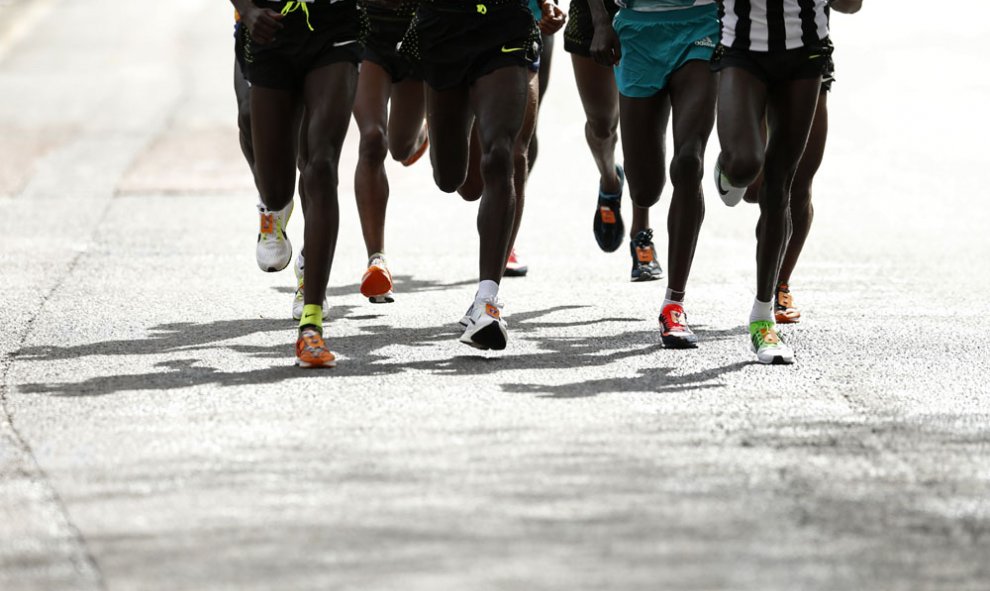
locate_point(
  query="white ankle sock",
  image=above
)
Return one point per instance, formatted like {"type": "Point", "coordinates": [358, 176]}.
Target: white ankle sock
{"type": "Point", "coordinates": [673, 297]}
{"type": "Point", "coordinates": [486, 289]}
{"type": "Point", "coordinates": [761, 311]}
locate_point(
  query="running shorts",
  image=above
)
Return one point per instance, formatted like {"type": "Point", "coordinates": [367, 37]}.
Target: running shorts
{"type": "Point", "coordinates": [580, 28]}
{"type": "Point", "coordinates": [325, 33]}
{"type": "Point", "coordinates": [777, 66]}
{"type": "Point", "coordinates": [382, 30]}
{"type": "Point", "coordinates": [657, 44]}
{"type": "Point", "coordinates": [456, 42]}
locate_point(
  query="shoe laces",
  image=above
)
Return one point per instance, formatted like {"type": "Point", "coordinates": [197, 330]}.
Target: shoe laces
{"type": "Point", "coordinates": [767, 335]}
{"type": "Point", "coordinates": [644, 238]}
{"type": "Point", "coordinates": [674, 316]}
{"type": "Point", "coordinates": [784, 297]}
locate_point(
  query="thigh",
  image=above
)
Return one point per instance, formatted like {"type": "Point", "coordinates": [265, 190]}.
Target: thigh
{"type": "Point", "coordinates": [274, 137]}
{"type": "Point", "coordinates": [693, 92]}
{"type": "Point", "coordinates": [546, 58]}
{"type": "Point", "coordinates": [405, 118]}
{"type": "Point", "coordinates": [596, 87]}
{"type": "Point", "coordinates": [643, 123]}
{"type": "Point", "coordinates": [790, 113]}
{"type": "Point", "coordinates": [814, 152]}
{"type": "Point", "coordinates": [329, 98]}
{"type": "Point", "coordinates": [499, 100]}
{"type": "Point", "coordinates": [371, 99]}
{"type": "Point", "coordinates": [449, 116]}
{"type": "Point", "coordinates": [742, 101]}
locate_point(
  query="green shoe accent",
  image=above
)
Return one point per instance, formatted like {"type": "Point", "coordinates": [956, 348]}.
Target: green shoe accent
{"type": "Point", "coordinates": [312, 316]}
{"type": "Point", "coordinates": [763, 333]}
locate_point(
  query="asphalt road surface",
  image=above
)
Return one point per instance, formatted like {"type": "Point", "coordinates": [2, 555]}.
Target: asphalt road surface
{"type": "Point", "coordinates": [154, 434]}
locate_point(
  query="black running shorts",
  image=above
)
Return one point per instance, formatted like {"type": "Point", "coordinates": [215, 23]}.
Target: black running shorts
{"type": "Point", "coordinates": [777, 66]}
{"type": "Point", "coordinates": [327, 35]}
{"type": "Point", "coordinates": [456, 41]}
{"type": "Point", "coordinates": [382, 31]}
{"type": "Point", "coordinates": [580, 28]}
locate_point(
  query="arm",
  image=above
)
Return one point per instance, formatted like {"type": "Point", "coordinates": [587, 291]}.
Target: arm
{"type": "Point", "coordinates": [552, 19]}
{"type": "Point", "coordinates": [605, 47]}
{"type": "Point", "coordinates": [846, 6]}
{"type": "Point", "coordinates": [262, 23]}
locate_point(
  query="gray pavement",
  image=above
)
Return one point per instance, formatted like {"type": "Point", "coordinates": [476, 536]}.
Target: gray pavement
{"type": "Point", "coordinates": [154, 434]}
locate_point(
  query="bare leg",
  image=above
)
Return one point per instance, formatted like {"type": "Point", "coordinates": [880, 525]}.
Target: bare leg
{"type": "Point", "coordinates": [329, 97]}
{"type": "Point", "coordinates": [370, 182]}
{"type": "Point", "coordinates": [802, 210]}
{"type": "Point", "coordinates": [790, 113]}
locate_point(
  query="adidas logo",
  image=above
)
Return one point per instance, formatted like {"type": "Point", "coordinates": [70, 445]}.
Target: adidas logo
{"type": "Point", "coordinates": [706, 42]}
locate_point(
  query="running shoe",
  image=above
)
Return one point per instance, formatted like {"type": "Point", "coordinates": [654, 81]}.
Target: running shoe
{"type": "Point", "coordinates": [515, 267]}
{"type": "Point", "coordinates": [466, 319]}
{"type": "Point", "coordinates": [311, 351]}
{"type": "Point", "coordinates": [644, 257]}
{"type": "Point", "coordinates": [376, 284]}
{"type": "Point", "coordinates": [423, 147]}
{"type": "Point", "coordinates": [298, 301]}
{"type": "Point", "coordinates": [274, 251]}
{"type": "Point", "coordinates": [730, 195]}
{"type": "Point", "coordinates": [485, 328]}
{"type": "Point", "coordinates": [674, 329]}
{"type": "Point", "coordinates": [608, 226]}
{"type": "Point", "coordinates": [767, 345]}
{"type": "Point", "coordinates": [783, 306]}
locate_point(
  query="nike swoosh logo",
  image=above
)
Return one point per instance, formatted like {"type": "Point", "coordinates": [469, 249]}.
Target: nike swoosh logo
{"type": "Point", "coordinates": [815, 56]}
{"type": "Point", "coordinates": [343, 43]}
{"type": "Point", "coordinates": [511, 49]}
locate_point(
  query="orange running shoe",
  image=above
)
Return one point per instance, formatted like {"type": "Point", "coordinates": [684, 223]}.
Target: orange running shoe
{"type": "Point", "coordinates": [423, 147]}
{"type": "Point", "coordinates": [783, 306]}
{"type": "Point", "coordinates": [311, 351]}
{"type": "Point", "coordinates": [376, 284]}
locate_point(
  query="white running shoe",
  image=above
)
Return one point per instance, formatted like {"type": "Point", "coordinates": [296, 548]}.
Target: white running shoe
{"type": "Point", "coordinates": [298, 301]}
{"type": "Point", "coordinates": [767, 345]}
{"type": "Point", "coordinates": [485, 328]}
{"type": "Point", "coordinates": [274, 251]}
{"type": "Point", "coordinates": [730, 195]}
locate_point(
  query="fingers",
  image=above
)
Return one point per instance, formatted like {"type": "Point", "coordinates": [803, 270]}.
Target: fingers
{"type": "Point", "coordinates": [265, 26]}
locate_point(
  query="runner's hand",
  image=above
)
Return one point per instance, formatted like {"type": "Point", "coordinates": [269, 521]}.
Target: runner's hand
{"type": "Point", "coordinates": [605, 46]}
{"type": "Point", "coordinates": [262, 24]}
{"type": "Point", "coordinates": [553, 18]}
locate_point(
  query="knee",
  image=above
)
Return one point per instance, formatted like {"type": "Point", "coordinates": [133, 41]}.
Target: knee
{"type": "Point", "coordinates": [601, 127]}
{"type": "Point", "coordinates": [687, 169]}
{"type": "Point", "coordinates": [320, 175]}
{"type": "Point", "coordinates": [646, 192]}
{"type": "Point", "coordinates": [448, 180]}
{"type": "Point", "coordinates": [373, 146]}
{"type": "Point", "coordinates": [497, 160]}
{"type": "Point", "coordinates": [742, 169]}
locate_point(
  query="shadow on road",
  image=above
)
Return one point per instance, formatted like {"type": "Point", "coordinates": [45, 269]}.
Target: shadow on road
{"type": "Point", "coordinates": [401, 283]}
{"type": "Point", "coordinates": [365, 354]}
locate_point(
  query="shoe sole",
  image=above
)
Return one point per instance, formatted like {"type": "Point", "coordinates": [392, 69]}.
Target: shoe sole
{"type": "Point", "coordinates": [644, 277]}
{"type": "Point", "coordinates": [782, 319]}
{"type": "Point", "coordinates": [600, 225]}
{"type": "Point", "coordinates": [306, 365]}
{"type": "Point", "coordinates": [382, 299]}
{"type": "Point", "coordinates": [376, 283]}
{"type": "Point", "coordinates": [418, 153]}
{"type": "Point", "coordinates": [516, 272]}
{"type": "Point", "coordinates": [275, 269]}
{"type": "Point", "coordinates": [488, 338]}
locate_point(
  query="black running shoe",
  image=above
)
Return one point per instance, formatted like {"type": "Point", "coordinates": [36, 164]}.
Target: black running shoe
{"type": "Point", "coordinates": [609, 231]}
{"type": "Point", "coordinates": [644, 257]}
